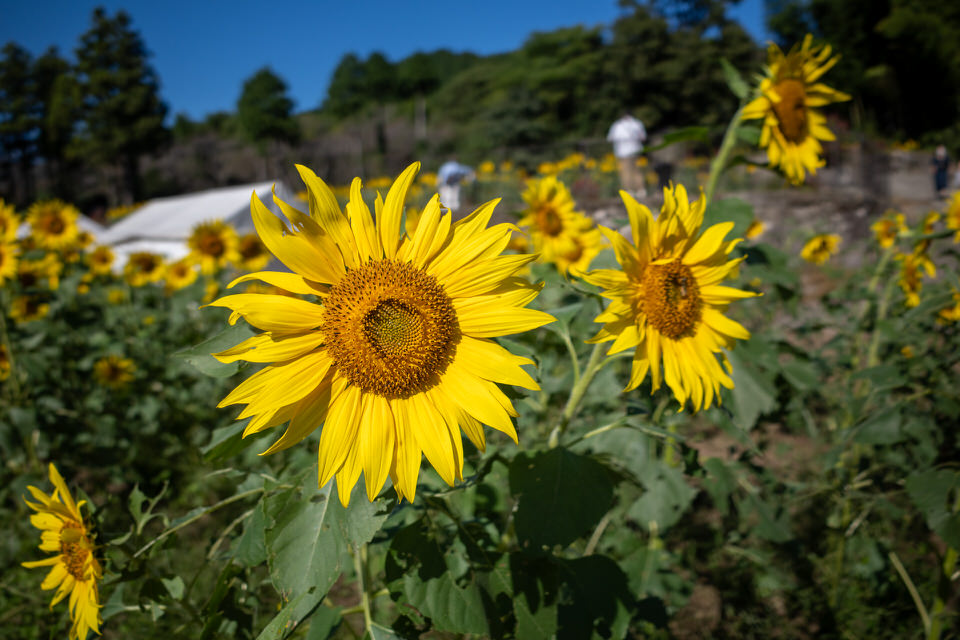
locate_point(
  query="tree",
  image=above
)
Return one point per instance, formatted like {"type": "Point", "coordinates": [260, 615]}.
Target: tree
{"type": "Point", "coordinates": [122, 111]}
{"type": "Point", "coordinates": [18, 119]}
{"type": "Point", "coordinates": [59, 111]}
{"type": "Point", "coordinates": [265, 111]}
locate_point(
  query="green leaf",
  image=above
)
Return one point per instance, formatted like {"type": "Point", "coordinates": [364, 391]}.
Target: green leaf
{"type": "Point", "coordinates": [174, 586]}
{"type": "Point", "coordinates": [802, 374]}
{"type": "Point", "coordinates": [722, 483]}
{"type": "Point", "coordinates": [599, 601]}
{"type": "Point", "coordinates": [144, 514]}
{"type": "Point", "coordinates": [309, 534]}
{"type": "Point", "coordinates": [380, 632]}
{"type": "Point", "coordinates": [773, 524]}
{"type": "Point", "coordinates": [251, 549]}
{"type": "Point", "coordinates": [734, 80]}
{"type": "Point", "coordinates": [933, 493]}
{"type": "Point", "coordinates": [883, 427]}
{"type": "Point", "coordinates": [749, 134]}
{"type": "Point", "coordinates": [665, 499]}
{"type": "Point", "coordinates": [735, 210]}
{"type": "Point", "coordinates": [228, 441]}
{"type": "Point", "coordinates": [562, 495]}
{"type": "Point", "coordinates": [199, 355]}
{"type": "Point", "coordinates": [290, 617]}
{"type": "Point", "coordinates": [324, 622]}
{"type": "Point", "coordinates": [418, 571]}
{"type": "Point", "coordinates": [753, 392]}
{"type": "Point", "coordinates": [687, 134]}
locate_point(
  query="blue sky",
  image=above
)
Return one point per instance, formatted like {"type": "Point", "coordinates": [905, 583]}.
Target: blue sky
{"type": "Point", "coordinates": [203, 50]}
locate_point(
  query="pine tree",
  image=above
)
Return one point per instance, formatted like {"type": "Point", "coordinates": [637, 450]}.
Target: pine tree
{"type": "Point", "coordinates": [18, 121]}
{"type": "Point", "coordinates": [264, 112]}
{"type": "Point", "coordinates": [122, 111]}
{"type": "Point", "coordinates": [58, 97]}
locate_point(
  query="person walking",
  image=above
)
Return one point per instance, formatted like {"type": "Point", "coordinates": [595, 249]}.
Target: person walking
{"type": "Point", "coordinates": [941, 164]}
{"type": "Point", "coordinates": [627, 135]}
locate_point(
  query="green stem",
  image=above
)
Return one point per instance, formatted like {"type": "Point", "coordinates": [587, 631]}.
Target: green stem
{"type": "Point", "coordinates": [917, 600]}
{"type": "Point", "coordinates": [363, 583]}
{"type": "Point", "coordinates": [576, 394]}
{"type": "Point", "coordinates": [720, 161]}
{"type": "Point", "coordinates": [943, 588]}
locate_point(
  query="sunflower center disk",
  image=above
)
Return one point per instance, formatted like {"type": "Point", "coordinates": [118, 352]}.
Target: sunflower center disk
{"type": "Point", "coordinates": [390, 328]}
{"type": "Point", "coordinates": [792, 109]}
{"type": "Point", "coordinates": [55, 225]}
{"type": "Point", "coordinates": [74, 553]}
{"type": "Point", "coordinates": [671, 299]}
{"type": "Point", "coordinates": [550, 222]}
{"type": "Point", "coordinates": [211, 245]}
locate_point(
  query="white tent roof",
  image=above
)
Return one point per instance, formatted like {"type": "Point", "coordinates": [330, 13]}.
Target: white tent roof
{"type": "Point", "coordinates": [171, 219]}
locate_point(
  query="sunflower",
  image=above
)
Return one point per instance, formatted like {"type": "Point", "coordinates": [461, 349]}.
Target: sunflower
{"type": "Point", "coordinates": [28, 308]}
{"type": "Point", "coordinates": [913, 266]}
{"type": "Point", "coordinates": [9, 222]}
{"type": "Point", "coordinates": [100, 260]}
{"type": "Point", "coordinates": [558, 233]}
{"type": "Point", "coordinates": [253, 254]}
{"type": "Point", "coordinates": [74, 568]}
{"type": "Point", "coordinates": [143, 267]}
{"type": "Point", "coordinates": [180, 274]}
{"type": "Point", "coordinates": [818, 249]}
{"type": "Point", "coordinates": [8, 261]}
{"type": "Point", "coordinates": [39, 274]}
{"type": "Point", "coordinates": [947, 315]}
{"type": "Point", "coordinates": [395, 355]}
{"type": "Point", "coordinates": [53, 224]}
{"type": "Point", "coordinates": [667, 301]}
{"type": "Point", "coordinates": [889, 228]}
{"type": "Point", "coordinates": [5, 365]}
{"type": "Point", "coordinates": [114, 371]}
{"type": "Point", "coordinates": [756, 229]}
{"type": "Point", "coordinates": [953, 216]}
{"type": "Point", "coordinates": [213, 245]}
{"type": "Point", "coordinates": [787, 101]}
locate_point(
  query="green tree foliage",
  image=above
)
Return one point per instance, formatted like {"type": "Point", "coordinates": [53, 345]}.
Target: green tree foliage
{"type": "Point", "coordinates": [901, 59]}
{"type": "Point", "coordinates": [122, 111]}
{"type": "Point", "coordinates": [264, 110]}
{"type": "Point", "coordinates": [18, 116]}
{"type": "Point", "coordinates": [59, 103]}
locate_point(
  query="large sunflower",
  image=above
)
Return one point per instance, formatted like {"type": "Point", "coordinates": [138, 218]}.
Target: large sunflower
{"type": "Point", "coordinates": [391, 351]}
{"type": "Point", "coordinates": [8, 261]}
{"type": "Point", "coordinates": [100, 260]}
{"type": "Point", "coordinates": [143, 267]}
{"type": "Point", "coordinates": [9, 222]}
{"type": "Point", "coordinates": [667, 301]}
{"type": "Point", "coordinates": [213, 245]}
{"type": "Point", "coordinates": [74, 568]}
{"type": "Point", "coordinates": [558, 233]}
{"type": "Point", "coordinates": [53, 224]}
{"type": "Point", "coordinates": [789, 94]}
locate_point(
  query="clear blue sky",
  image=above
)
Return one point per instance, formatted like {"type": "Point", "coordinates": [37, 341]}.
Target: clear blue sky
{"type": "Point", "coordinates": [203, 50]}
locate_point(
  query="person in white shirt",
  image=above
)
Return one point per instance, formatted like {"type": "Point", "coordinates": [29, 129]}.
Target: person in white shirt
{"type": "Point", "coordinates": [628, 135]}
{"type": "Point", "coordinates": [449, 178]}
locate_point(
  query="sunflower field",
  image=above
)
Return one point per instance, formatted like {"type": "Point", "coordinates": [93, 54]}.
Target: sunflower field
{"type": "Point", "coordinates": [373, 418]}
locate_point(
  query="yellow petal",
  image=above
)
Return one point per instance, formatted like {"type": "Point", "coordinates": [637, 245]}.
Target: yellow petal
{"type": "Point", "coordinates": [489, 360]}
{"type": "Point", "coordinates": [388, 219]}
{"type": "Point", "coordinates": [274, 313]}
{"type": "Point", "coordinates": [287, 281]}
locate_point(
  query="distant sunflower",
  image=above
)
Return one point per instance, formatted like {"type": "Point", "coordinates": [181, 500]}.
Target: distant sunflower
{"type": "Point", "coordinates": [27, 308]}
{"type": "Point", "coordinates": [395, 358]}
{"type": "Point", "coordinates": [667, 302]}
{"type": "Point", "coordinates": [818, 249]}
{"type": "Point", "coordinates": [143, 268]}
{"type": "Point", "coordinates": [9, 222]}
{"type": "Point", "coordinates": [8, 261]}
{"type": "Point", "coordinates": [253, 253]}
{"type": "Point", "coordinates": [558, 233]}
{"type": "Point", "coordinates": [889, 228]}
{"type": "Point", "coordinates": [950, 314]}
{"type": "Point", "coordinates": [113, 371]}
{"type": "Point", "coordinates": [42, 274]}
{"type": "Point", "coordinates": [788, 97]}
{"type": "Point", "coordinates": [953, 216]}
{"type": "Point", "coordinates": [756, 229]}
{"type": "Point", "coordinates": [912, 268]}
{"type": "Point", "coordinates": [213, 245]}
{"type": "Point", "coordinates": [180, 274]}
{"type": "Point", "coordinates": [4, 362]}
{"type": "Point", "coordinates": [53, 224]}
{"type": "Point", "coordinates": [100, 260]}
{"type": "Point", "coordinates": [74, 568]}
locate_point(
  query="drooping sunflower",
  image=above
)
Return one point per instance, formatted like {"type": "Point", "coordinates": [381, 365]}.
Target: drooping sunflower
{"type": "Point", "coordinates": [253, 253]}
{"type": "Point", "coordinates": [100, 260]}
{"type": "Point", "coordinates": [143, 267]}
{"type": "Point", "coordinates": [180, 274]}
{"type": "Point", "coordinates": [392, 352]}
{"type": "Point", "coordinates": [53, 224]}
{"type": "Point", "coordinates": [667, 301]}
{"type": "Point", "coordinates": [74, 568]}
{"type": "Point", "coordinates": [8, 261]}
{"type": "Point", "coordinates": [558, 233]}
{"type": "Point", "coordinates": [819, 248]}
{"type": "Point", "coordinates": [9, 222]}
{"type": "Point", "coordinates": [789, 95]}
{"type": "Point", "coordinates": [113, 371]}
{"type": "Point", "coordinates": [213, 245]}
{"type": "Point", "coordinates": [889, 228]}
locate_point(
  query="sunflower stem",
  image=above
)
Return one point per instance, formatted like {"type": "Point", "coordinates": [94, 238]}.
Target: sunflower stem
{"type": "Point", "coordinates": [580, 387]}
{"type": "Point", "coordinates": [363, 583]}
{"type": "Point", "coordinates": [720, 160]}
